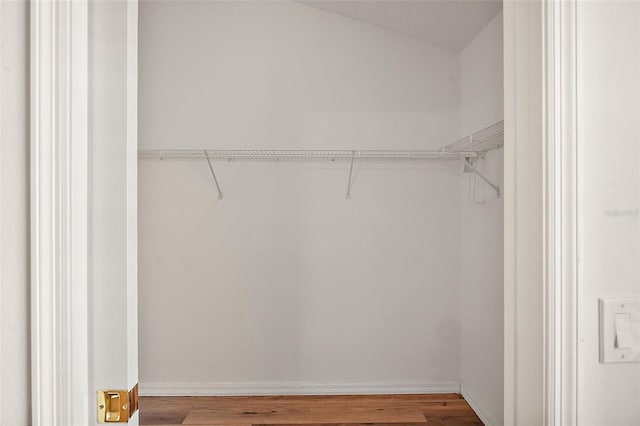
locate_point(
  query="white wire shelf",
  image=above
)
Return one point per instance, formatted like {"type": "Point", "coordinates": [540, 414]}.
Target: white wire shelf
{"type": "Point", "coordinates": [484, 140]}
{"type": "Point", "coordinates": [302, 155]}
{"type": "Point", "coordinates": [467, 148]}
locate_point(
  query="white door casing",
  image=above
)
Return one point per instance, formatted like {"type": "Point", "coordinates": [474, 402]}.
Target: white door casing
{"type": "Point", "coordinates": [59, 148]}
{"type": "Point", "coordinates": [84, 224]}
{"type": "Point", "coordinates": [540, 213]}
{"type": "Point", "coordinates": [561, 217]}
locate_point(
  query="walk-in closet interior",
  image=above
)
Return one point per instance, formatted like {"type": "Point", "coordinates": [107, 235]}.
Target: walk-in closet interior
{"type": "Point", "coordinates": [320, 207]}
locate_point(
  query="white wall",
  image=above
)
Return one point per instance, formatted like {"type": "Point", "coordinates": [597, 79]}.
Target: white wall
{"type": "Point", "coordinates": [284, 280]}
{"type": "Point", "coordinates": [481, 230]}
{"type": "Point", "coordinates": [284, 75]}
{"type": "Point", "coordinates": [482, 79]}
{"type": "Point", "coordinates": [609, 164]}
{"type": "Point", "coordinates": [14, 214]}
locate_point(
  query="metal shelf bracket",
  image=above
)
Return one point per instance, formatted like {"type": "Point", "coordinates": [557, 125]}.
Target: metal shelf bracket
{"type": "Point", "coordinates": [472, 168]}
{"type": "Point", "coordinates": [353, 155]}
{"type": "Point", "coordinates": [213, 173]}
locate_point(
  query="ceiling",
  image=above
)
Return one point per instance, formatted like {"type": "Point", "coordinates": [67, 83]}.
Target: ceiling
{"type": "Point", "coordinates": [449, 23]}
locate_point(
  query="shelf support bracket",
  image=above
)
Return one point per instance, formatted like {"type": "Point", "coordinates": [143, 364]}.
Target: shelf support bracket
{"type": "Point", "coordinates": [486, 180]}
{"type": "Point", "coordinates": [213, 173]}
{"type": "Point", "coordinates": [353, 154]}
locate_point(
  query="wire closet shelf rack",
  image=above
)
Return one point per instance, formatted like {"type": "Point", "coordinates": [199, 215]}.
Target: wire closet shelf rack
{"type": "Point", "coordinates": [467, 149]}
{"type": "Point", "coordinates": [471, 147]}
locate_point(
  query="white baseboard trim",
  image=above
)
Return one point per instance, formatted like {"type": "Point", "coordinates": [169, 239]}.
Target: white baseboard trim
{"type": "Point", "coordinates": [293, 388]}
{"type": "Point", "coordinates": [464, 391]}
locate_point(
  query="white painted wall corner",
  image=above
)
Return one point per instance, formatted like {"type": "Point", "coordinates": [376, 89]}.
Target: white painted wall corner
{"type": "Point", "coordinates": [472, 401]}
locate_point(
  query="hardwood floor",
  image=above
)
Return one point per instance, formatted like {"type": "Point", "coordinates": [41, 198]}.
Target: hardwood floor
{"type": "Point", "coordinates": [351, 410]}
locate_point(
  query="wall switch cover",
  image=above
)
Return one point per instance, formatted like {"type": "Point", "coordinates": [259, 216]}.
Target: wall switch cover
{"type": "Point", "coordinates": [619, 330]}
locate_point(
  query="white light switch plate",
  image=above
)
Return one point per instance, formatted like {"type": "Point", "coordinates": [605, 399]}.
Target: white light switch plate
{"type": "Point", "coordinates": [619, 330]}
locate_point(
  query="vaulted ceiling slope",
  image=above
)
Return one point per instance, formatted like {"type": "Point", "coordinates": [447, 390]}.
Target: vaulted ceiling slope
{"type": "Point", "coordinates": [449, 23]}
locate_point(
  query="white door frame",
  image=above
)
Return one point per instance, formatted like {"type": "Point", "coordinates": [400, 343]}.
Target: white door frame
{"type": "Point", "coordinates": [59, 126]}
{"type": "Point", "coordinates": [540, 341]}
{"type": "Point", "coordinates": [561, 217]}
{"type": "Point", "coordinates": [540, 213]}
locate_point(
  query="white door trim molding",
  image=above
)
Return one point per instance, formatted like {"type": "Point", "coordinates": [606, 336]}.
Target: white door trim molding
{"type": "Point", "coordinates": [561, 220]}
{"type": "Point", "coordinates": [540, 213]}
{"type": "Point", "coordinates": [59, 94]}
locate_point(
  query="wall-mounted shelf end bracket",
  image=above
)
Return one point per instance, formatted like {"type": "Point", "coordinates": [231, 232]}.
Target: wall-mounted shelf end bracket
{"type": "Point", "coordinates": [353, 154]}
{"type": "Point", "coordinates": [213, 173]}
{"type": "Point", "coordinates": [471, 168]}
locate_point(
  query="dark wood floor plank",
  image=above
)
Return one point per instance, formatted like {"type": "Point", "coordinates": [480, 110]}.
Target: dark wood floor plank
{"type": "Point", "coordinates": [180, 424]}
{"type": "Point", "coordinates": [298, 410]}
{"type": "Point", "coordinates": [193, 401]}
{"type": "Point", "coordinates": [169, 410]}
{"type": "Point", "coordinates": [342, 424]}
{"type": "Point", "coordinates": [162, 414]}
{"type": "Point", "coordinates": [457, 421]}
{"type": "Point", "coordinates": [451, 413]}
{"type": "Point", "coordinates": [311, 413]}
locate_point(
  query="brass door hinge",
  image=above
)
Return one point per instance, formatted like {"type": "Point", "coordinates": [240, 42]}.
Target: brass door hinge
{"type": "Point", "coordinates": [117, 406]}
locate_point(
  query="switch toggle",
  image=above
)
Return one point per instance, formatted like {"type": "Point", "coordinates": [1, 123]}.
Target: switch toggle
{"type": "Point", "coordinates": [619, 330]}
{"type": "Point", "coordinates": [624, 339]}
